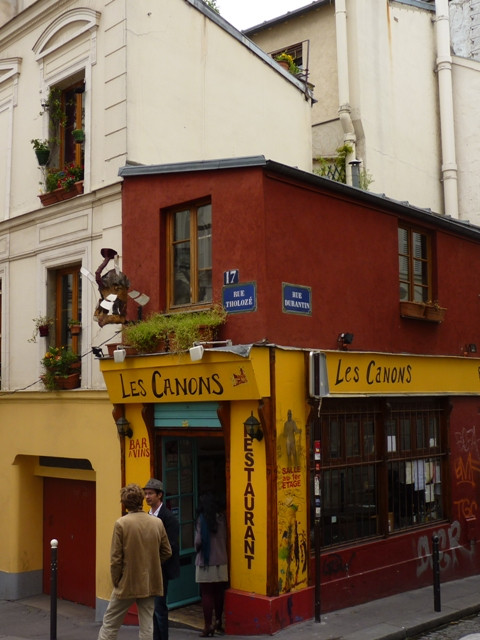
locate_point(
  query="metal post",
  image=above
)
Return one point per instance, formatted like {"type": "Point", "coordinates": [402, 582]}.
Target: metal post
{"type": "Point", "coordinates": [436, 574]}
{"type": "Point", "coordinates": [53, 589]}
{"type": "Point", "coordinates": [318, 512]}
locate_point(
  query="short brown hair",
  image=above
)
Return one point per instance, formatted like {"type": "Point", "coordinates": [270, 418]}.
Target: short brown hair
{"type": "Point", "coordinates": [131, 497]}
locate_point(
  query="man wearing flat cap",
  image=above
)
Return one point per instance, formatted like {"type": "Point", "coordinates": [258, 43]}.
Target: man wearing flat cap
{"type": "Point", "coordinates": [171, 568]}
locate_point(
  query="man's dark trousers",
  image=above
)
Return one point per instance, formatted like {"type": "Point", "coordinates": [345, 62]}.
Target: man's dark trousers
{"type": "Point", "coordinates": [160, 615]}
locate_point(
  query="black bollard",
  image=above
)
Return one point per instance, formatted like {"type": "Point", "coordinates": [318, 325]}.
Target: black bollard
{"type": "Point", "coordinates": [436, 574]}
{"type": "Point", "coordinates": [53, 589]}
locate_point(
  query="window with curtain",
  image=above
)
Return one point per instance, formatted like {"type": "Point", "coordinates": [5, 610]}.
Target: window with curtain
{"type": "Point", "coordinates": [190, 255]}
{"type": "Point", "coordinates": [415, 265]}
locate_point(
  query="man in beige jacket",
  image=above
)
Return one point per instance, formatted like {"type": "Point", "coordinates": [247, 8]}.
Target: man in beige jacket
{"type": "Point", "coordinates": [139, 548]}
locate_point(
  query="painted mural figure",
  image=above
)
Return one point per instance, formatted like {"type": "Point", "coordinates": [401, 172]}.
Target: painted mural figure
{"type": "Point", "coordinates": [290, 430]}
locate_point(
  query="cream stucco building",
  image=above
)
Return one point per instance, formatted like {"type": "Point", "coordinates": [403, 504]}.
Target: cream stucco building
{"type": "Point", "coordinates": [397, 81]}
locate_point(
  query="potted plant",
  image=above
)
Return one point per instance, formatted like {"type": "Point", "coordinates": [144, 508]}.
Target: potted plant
{"type": "Point", "coordinates": [194, 326]}
{"type": "Point", "coordinates": [287, 62]}
{"type": "Point", "coordinates": [42, 327]}
{"type": "Point", "coordinates": [149, 335]}
{"type": "Point", "coordinates": [75, 327]}
{"type": "Point", "coordinates": [78, 135]}
{"type": "Point", "coordinates": [61, 369]}
{"type": "Point", "coordinates": [174, 332]}
{"type": "Point", "coordinates": [42, 151]}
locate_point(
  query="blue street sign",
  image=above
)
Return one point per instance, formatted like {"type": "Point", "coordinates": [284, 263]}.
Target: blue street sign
{"type": "Point", "coordinates": [238, 298]}
{"type": "Point", "coordinates": [296, 299]}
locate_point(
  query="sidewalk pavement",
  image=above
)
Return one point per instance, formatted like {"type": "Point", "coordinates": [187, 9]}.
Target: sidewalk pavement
{"type": "Point", "coordinates": [394, 618]}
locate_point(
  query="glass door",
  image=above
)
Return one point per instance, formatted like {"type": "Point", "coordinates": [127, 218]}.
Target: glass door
{"type": "Point", "coordinates": [179, 457]}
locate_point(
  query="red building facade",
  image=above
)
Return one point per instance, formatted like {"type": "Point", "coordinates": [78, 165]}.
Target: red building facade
{"type": "Point", "coordinates": [308, 264]}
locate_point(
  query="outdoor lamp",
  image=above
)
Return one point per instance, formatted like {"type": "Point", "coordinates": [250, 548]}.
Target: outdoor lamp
{"type": "Point", "coordinates": [253, 428]}
{"type": "Point", "coordinates": [123, 427]}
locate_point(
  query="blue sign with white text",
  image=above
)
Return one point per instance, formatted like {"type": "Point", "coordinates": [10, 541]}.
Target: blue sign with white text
{"type": "Point", "coordinates": [296, 299]}
{"type": "Point", "coordinates": [240, 297]}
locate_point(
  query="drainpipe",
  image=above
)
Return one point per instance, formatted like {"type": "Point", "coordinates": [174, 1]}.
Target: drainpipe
{"type": "Point", "coordinates": [445, 90]}
{"type": "Point", "coordinates": [344, 109]}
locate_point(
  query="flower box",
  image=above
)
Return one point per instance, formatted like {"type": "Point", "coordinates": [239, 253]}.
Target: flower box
{"type": "Point", "coordinates": [409, 309]}
{"type": "Point", "coordinates": [434, 313]}
{"type": "Point", "coordinates": [112, 346]}
{"type": "Point", "coordinates": [51, 197]}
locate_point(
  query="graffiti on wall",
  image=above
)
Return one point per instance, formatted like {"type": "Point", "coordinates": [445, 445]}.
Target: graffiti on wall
{"type": "Point", "coordinates": [466, 466]}
{"type": "Point", "coordinates": [292, 512]}
{"type": "Point", "coordinates": [449, 546]}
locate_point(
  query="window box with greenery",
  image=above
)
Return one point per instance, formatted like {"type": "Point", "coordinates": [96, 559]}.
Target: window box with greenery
{"type": "Point", "coordinates": [62, 185]}
{"type": "Point", "coordinates": [174, 332]}
{"type": "Point", "coordinates": [61, 369]}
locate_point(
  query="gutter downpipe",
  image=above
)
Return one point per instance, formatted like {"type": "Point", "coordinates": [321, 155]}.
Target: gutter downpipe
{"type": "Point", "coordinates": [447, 128]}
{"type": "Point", "coordinates": [344, 109]}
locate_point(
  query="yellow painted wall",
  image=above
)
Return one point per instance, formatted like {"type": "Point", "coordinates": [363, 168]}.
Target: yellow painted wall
{"type": "Point", "coordinates": [137, 448]}
{"type": "Point", "coordinates": [248, 505]}
{"type": "Point", "coordinates": [292, 479]}
{"type": "Point", "coordinates": [61, 424]}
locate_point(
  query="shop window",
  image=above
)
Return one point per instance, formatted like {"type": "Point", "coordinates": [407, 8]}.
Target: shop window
{"type": "Point", "coordinates": [190, 255]}
{"type": "Point", "coordinates": [68, 306]}
{"type": "Point", "coordinates": [382, 467]}
{"type": "Point", "coordinates": [415, 461]}
{"type": "Point", "coordinates": [414, 265]}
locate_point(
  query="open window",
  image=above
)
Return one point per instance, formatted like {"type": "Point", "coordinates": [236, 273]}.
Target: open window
{"type": "Point", "coordinates": [66, 113]}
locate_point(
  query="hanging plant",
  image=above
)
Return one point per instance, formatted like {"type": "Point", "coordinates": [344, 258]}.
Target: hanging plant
{"type": "Point", "coordinates": [78, 135]}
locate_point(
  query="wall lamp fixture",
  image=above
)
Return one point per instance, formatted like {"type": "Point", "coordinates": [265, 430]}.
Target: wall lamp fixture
{"type": "Point", "coordinates": [123, 427]}
{"type": "Point", "coordinates": [253, 427]}
{"type": "Point", "coordinates": [97, 352]}
{"type": "Point", "coordinates": [345, 339]}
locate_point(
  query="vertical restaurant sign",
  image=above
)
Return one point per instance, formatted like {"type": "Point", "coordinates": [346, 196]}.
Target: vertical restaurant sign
{"type": "Point", "coordinates": [296, 299]}
{"type": "Point", "coordinates": [238, 298]}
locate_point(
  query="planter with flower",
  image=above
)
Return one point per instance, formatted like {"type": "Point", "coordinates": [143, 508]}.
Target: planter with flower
{"type": "Point", "coordinates": [63, 184]}
{"type": "Point", "coordinates": [75, 327]}
{"type": "Point", "coordinates": [42, 327]}
{"type": "Point", "coordinates": [62, 369]}
{"type": "Point", "coordinates": [286, 61]}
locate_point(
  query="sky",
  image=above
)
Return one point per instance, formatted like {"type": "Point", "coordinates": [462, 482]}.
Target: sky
{"type": "Point", "coordinates": [247, 13]}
